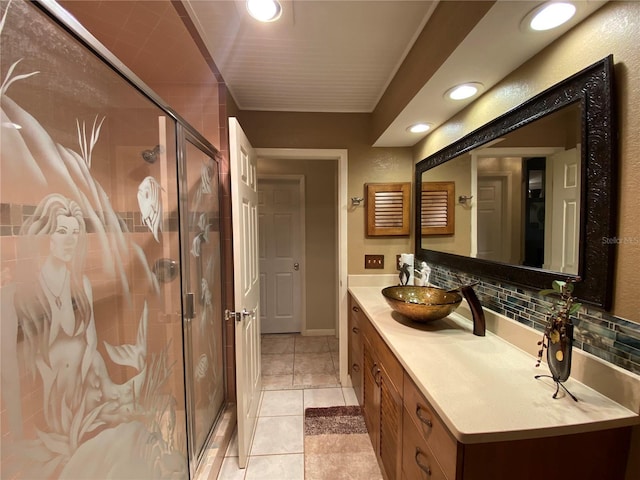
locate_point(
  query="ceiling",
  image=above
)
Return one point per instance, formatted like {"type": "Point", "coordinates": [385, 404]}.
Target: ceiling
{"type": "Point", "coordinates": [320, 56]}
{"type": "Point", "coordinates": [391, 58]}
{"type": "Point", "coordinates": [340, 56]}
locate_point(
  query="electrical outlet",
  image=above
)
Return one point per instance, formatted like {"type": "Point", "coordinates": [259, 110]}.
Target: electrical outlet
{"type": "Point", "coordinates": [398, 262]}
{"type": "Point", "coordinates": [374, 261]}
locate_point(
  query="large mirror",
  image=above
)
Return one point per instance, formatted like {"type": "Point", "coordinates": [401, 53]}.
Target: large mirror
{"type": "Point", "coordinates": [533, 191]}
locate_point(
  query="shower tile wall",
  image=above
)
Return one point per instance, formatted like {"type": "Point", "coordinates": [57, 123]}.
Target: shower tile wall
{"type": "Point", "coordinates": [606, 336]}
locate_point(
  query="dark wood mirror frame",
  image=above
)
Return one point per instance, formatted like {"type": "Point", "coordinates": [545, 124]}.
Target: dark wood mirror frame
{"type": "Point", "coordinates": [593, 88]}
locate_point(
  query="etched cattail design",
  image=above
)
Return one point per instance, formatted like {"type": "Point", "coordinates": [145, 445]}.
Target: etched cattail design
{"type": "Point", "coordinates": [206, 173]}
{"type": "Point", "coordinates": [202, 367]}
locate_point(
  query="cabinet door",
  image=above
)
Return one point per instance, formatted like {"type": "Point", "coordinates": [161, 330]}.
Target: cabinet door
{"type": "Point", "coordinates": [382, 378]}
{"type": "Point", "coordinates": [370, 394]}
{"type": "Point", "coordinates": [390, 441]}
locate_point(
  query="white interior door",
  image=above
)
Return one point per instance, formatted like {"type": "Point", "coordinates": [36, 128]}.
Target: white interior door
{"type": "Point", "coordinates": [563, 212]}
{"type": "Point", "coordinates": [281, 261]}
{"type": "Point", "coordinates": [244, 203]}
{"type": "Point", "coordinates": [491, 221]}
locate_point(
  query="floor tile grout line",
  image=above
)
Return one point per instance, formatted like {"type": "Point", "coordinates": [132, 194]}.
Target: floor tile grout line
{"type": "Point", "coordinates": [303, 453]}
{"type": "Point", "coordinates": [304, 389]}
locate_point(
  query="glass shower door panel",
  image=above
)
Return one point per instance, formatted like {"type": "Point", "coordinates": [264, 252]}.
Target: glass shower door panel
{"type": "Point", "coordinates": [204, 281]}
{"type": "Point", "coordinates": [92, 378]}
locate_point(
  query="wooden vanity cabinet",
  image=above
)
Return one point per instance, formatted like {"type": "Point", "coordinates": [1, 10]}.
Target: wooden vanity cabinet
{"type": "Point", "coordinates": [382, 401]}
{"type": "Point", "coordinates": [355, 356]}
{"type": "Point", "coordinates": [411, 442]}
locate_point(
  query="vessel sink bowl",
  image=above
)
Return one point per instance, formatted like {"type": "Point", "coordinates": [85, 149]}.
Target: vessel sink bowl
{"type": "Point", "coordinates": [421, 304]}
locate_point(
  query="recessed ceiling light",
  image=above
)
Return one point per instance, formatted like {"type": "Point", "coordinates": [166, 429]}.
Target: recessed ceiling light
{"type": "Point", "coordinates": [550, 15]}
{"type": "Point", "coordinates": [466, 90]}
{"type": "Point", "coordinates": [418, 128]}
{"type": "Point", "coordinates": [264, 10]}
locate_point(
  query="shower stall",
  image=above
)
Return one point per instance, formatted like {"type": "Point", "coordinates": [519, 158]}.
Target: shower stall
{"type": "Point", "coordinates": [111, 296]}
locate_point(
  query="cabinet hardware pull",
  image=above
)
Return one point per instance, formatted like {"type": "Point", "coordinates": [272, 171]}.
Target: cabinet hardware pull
{"type": "Point", "coordinates": [422, 418]}
{"type": "Point", "coordinates": [355, 309]}
{"type": "Point", "coordinates": [425, 468]}
{"type": "Point", "coordinates": [355, 367]}
{"type": "Point", "coordinates": [355, 330]}
{"type": "Point", "coordinates": [375, 365]}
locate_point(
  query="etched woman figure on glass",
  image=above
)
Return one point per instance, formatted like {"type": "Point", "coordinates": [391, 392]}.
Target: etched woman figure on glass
{"type": "Point", "coordinates": [53, 307]}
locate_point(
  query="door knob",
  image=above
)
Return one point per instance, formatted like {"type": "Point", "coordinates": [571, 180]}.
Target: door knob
{"type": "Point", "coordinates": [296, 266]}
{"type": "Point", "coordinates": [239, 316]}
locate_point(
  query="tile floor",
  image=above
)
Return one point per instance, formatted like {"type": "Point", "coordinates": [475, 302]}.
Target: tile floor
{"type": "Point", "coordinates": [294, 361]}
{"type": "Point", "coordinates": [298, 372]}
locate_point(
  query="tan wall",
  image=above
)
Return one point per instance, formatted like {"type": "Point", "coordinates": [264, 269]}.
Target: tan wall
{"type": "Point", "coordinates": [614, 29]}
{"type": "Point", "coordinates": [366, 165]}
{"type": "Point", "coordinates": [320, 234]}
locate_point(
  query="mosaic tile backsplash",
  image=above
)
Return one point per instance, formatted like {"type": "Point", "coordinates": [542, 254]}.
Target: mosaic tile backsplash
{"type": "Point", "coordinates": [608, 337]}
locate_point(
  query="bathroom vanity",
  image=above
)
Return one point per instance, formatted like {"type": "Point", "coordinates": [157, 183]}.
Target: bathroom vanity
{"type": "Point", "coordinates": [441, 403]}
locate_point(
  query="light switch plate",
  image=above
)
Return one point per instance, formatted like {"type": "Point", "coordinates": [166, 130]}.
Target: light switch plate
{"type": "Point", "coordinates": [374, 261]}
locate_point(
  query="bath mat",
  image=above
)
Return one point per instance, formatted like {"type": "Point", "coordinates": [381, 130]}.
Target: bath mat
{"type": "Point", "coordinates": [337, 445]}
{"type": "Point", "coordinates": [338, 420]}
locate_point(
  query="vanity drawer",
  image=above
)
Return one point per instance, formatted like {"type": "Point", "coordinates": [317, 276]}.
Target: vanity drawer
{"type": "Point", "coordinates": [430, 428]}
{"type": "Point", "coordinates": [418, 461]}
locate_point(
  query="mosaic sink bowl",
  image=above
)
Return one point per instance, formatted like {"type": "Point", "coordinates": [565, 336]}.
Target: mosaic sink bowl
{"type": "Point", "coordinates": [421, 304]}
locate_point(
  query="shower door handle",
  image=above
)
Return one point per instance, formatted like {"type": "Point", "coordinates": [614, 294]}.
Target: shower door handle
{"type": "Point", "coordinates": [189, 306]}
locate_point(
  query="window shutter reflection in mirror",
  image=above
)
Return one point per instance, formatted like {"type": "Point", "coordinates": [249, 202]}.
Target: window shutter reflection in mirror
{"type": "Point", "coordinates": [388, 207]}
{"type": "Point", "coordinates": [437, 208]}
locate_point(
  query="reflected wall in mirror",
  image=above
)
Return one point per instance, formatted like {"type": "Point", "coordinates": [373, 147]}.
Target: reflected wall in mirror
{"type": "Point", "coordinates": [541, 180]}
{"type": "Point", "coordinates": [525, 196]}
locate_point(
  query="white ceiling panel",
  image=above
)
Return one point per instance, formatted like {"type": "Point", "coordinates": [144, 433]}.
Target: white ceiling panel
{"type": "Point", "coordinates": [321, 56]}
{"type": "Point", "coordinates": [340, 55]}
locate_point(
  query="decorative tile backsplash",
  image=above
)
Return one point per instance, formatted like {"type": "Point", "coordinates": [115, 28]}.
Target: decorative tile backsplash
{"type": "Point", "coordinates": [608, 337]}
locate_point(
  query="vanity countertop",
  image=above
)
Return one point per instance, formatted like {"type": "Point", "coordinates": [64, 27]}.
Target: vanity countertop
{"type": "Point", "coordinates": [483, 388]}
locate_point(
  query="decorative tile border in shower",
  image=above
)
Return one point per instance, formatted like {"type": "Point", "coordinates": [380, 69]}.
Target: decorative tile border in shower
{"type": "Point", "coordinates": [12, 216]}
{"type": "Point", "coordinates": [606, 336]}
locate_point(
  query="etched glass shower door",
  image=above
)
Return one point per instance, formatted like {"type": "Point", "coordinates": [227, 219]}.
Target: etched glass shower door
{"type": "Point", "coordinates": [92, 377]}
{"type": "Point", "coordinates": [202, 288]}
